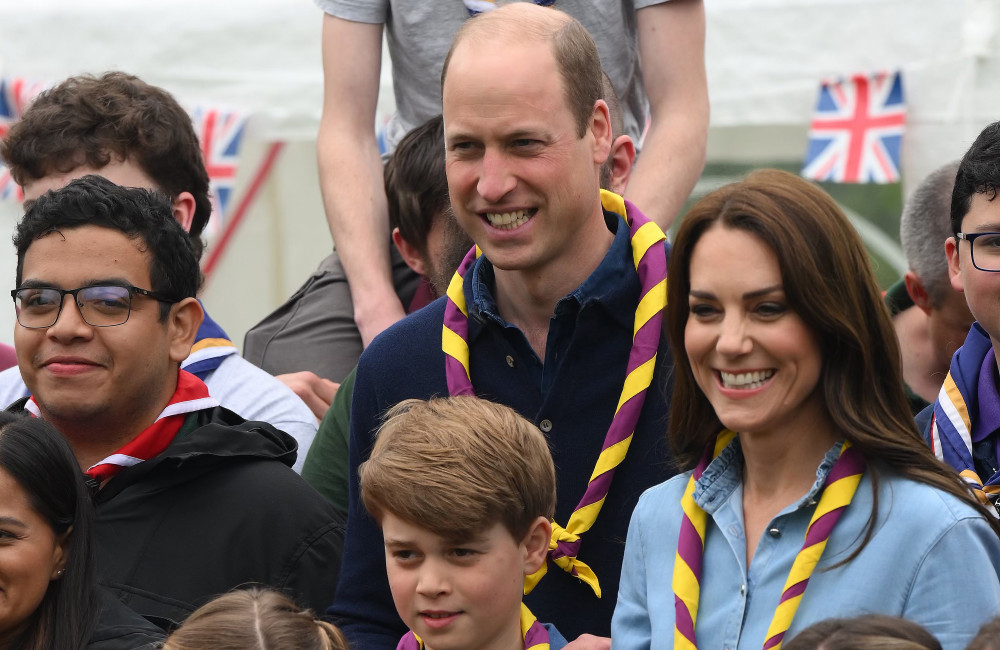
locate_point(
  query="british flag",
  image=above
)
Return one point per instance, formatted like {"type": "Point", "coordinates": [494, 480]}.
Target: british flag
{"type": "Point", "coordinates": [15, 96]}
{"type": "Point", "coordinates": [857, 131]}
{"type": "Point", "coordinates": [220, 133]}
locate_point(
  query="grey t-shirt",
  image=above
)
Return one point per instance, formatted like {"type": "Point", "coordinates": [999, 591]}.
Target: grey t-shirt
{"type": "Point", "coordinates": [419, 34]}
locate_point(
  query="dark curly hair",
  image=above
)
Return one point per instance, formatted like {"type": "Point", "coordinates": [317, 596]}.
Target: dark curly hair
{"type": "Point", "coordinates": [140, 214]}
{"type": "Point", "coordinates": [91, 121]}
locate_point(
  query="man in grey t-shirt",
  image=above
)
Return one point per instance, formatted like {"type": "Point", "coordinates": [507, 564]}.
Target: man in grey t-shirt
{"type": "Point", "coordinates": [668, 33]}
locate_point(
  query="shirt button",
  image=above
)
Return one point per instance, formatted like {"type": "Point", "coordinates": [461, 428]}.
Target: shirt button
{"type": "Point", "coordinates": [774, 532]}
{"type": "Point", "coordinates": [545, 425]}
{"type": "Point", "coordinates": [510, 361]}
{"type": "Point", "coordinates": [743, 590]}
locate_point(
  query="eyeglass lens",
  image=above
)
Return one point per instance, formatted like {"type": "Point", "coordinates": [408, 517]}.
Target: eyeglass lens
{"type": "Point", "coordinates": [986, 251]}
{"type": "Point", "coordinates": [100, 306]}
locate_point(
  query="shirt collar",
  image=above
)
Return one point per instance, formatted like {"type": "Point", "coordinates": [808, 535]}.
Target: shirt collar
{"type": "Point", "coordinates": [614, 284]}
{"type": "Point", "coordinates": [725, 473]}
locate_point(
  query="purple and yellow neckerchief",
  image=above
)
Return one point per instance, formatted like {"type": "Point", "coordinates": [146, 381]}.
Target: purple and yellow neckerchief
{"type": "Point", "coordinates": [534, 634]}
{"type": "Point", "coordinates": [838, 490]}
{"type": "Point", "coordinates": [476, 7]}
{"type": "Point", "coordinates": [650, 259]}
{"type": "Point", "coordinates": [952, 431]}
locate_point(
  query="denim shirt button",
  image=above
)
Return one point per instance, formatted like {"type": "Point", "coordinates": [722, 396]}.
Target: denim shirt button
{"type": "Point", "coordinates": [774, 532]}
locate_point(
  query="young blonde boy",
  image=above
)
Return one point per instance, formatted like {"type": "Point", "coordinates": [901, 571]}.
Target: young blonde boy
{"type": "Point", "coordinates": [463, 490]}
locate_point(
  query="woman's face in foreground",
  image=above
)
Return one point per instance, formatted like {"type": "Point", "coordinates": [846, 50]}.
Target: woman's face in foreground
{"type": "Point", "coordinates": [756, 361]}
{"type": "Point", "coordinates": [30, 556]}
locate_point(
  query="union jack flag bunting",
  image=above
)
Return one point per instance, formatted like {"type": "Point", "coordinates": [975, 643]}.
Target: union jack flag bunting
{"type": "Point", "coordinates": [15, 96]}
{"type": "Point", "coordinates": [857, 131]}
{"type": "Point", "coordinates": [220, 133]}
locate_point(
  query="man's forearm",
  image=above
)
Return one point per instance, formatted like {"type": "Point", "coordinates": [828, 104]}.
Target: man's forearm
{"type": "Point", "coordinates": [667, 169]}
{"type": "Point", "coordinates": [351, 171]}
{"type": "Point", "coordinates": [354, 199]}
{"type": "Point", "coordinates": [672, 47]}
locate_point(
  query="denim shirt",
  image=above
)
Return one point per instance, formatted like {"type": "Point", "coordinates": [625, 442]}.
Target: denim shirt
{"type": "Point", "coordinates": [931, 559]}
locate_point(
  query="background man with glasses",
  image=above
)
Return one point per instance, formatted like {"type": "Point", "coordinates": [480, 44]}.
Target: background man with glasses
{"type": "Point", "coordinates": [191, 500]}
{"type": "Point", "coordinates": [963, 424]}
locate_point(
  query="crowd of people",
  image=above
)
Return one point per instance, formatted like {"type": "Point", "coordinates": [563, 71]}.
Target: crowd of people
{"type": "Point", "coordinates": [580, 436]}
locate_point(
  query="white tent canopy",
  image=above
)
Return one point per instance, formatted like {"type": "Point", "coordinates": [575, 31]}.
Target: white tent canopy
{"type": "Point", "coordinates": [765, 60]}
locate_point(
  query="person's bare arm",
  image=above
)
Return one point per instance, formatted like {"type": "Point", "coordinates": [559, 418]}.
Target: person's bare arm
{"type": "Point", "coordinates": [351, 171]}
{"type": "Point", "coordinates": [672, 49]}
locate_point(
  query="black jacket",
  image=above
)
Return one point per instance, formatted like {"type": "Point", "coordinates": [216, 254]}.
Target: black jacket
{"type": "Point", "coordinates": [119, 628]}
{"type": "Point", "coordinates": [220, 508]}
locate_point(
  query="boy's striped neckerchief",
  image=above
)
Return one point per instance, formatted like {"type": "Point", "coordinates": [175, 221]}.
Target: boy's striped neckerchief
{"type": "Point", "coordinates": [650, 260]}
{"type": "Point", "coordinates": [838, 490]}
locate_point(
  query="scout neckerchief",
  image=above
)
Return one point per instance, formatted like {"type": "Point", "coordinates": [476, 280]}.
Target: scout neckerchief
{"type": "Point", "coordinates": [534, 634]}
{"type": "Point", "coordinates": [951, 424]}
{"type": "Point", "coordinates": [191, 395]}
{"type": "Point", "coordinates": [649, 257]}
{"type": "Point", "coordinates": [211, 347]}
{"type": "Point", "coordinates": [838, 490]}
{"type": "Point", "coordinates": [476, 7]}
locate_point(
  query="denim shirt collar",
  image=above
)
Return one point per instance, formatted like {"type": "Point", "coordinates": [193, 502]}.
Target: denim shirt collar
{"type": "Point", "coordinates": [605, 286]}
{"type": "Point", "coordinates": [725, 473]}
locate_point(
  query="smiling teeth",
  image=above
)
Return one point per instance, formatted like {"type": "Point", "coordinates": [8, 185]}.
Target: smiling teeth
{"type": "Point", "coordinates": [507, 220]}
{"type": "Point", "coordinates": [746, 380]}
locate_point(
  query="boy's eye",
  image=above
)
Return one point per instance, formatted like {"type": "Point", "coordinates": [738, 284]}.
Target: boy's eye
{"type": "Point", "coordinates": [464, 552]}
{"type": "Point", "coordinates": [404, 555]}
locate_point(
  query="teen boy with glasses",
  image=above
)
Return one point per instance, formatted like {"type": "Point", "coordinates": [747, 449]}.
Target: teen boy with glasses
{"type": "Point", "coordinates": [963, 424]}
{"type": "Point", "coordinates": [191, 500]}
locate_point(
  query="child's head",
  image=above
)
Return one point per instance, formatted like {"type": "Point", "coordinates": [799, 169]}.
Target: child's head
{"type": "Point", "coordinates": [254, 619]}
{"type": "Point", "coordinates": [988, 637]}
{"type": "Point", "coordinates": [975, 217]}
{"type": "Point", "coordinates": [464, 490]}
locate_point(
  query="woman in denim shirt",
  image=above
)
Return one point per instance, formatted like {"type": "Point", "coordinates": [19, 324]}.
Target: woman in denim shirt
{"type": "Point", "coordinates": [780, 334]}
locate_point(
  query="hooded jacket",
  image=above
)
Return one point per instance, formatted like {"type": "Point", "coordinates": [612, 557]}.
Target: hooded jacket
{"type": "Point", "coordinates": [220, 508]}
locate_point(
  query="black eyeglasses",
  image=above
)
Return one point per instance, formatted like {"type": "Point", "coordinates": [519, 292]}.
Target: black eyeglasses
{"type": "Point", "coordinates": [985, 250]}
{"type": "Point", "coordinates": [100, 305]}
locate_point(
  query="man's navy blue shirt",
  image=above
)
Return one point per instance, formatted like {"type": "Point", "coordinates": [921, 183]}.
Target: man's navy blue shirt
{"type": "Point", "coordinates": [571, 397]}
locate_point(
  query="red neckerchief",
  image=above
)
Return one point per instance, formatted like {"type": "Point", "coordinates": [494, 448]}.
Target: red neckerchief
{"type": "Point", "coordinates": [191, 395]}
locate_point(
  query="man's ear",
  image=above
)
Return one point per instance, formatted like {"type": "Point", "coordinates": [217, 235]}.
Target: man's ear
{"type": "Point", "coordinates": [413, 257]}
{"type": "Point", "coordinates": [600, 128]}
{"type": "Point", "coordinates": [536, 544]}
{"type": "Point", "coordinates": [184, 207]}
{"type": "Point", "coordinates": [918, 292]}
{"type": "Point", "coordinates": [182, 324]}
{"type": "Point", "coordinates": [621, 159]}
{"type": "Point", "coordinates": [954, 263]}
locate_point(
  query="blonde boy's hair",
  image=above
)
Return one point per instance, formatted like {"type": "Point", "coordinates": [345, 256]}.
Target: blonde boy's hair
{"type": "Point", "coordinates": [457, 465]}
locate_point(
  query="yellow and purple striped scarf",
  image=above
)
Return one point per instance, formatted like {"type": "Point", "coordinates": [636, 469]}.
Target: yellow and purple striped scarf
{"type": "Point", "coordinates": [838, 490]}
{"type": "Point", "coordinates": [650, 260]}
